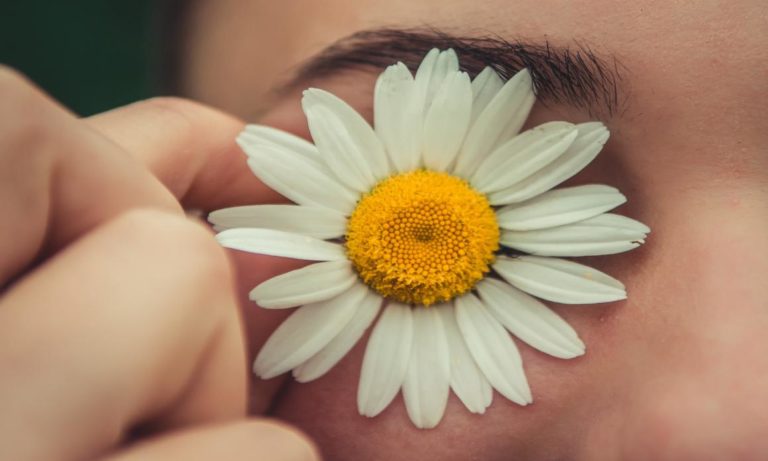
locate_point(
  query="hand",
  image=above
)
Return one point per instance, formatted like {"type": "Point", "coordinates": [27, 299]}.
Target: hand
{"type": "Point", "coordinates": [118, 315]}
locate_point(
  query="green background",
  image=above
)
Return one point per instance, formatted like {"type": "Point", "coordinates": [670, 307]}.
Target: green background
{"type": "Point", "coordinates": [90, 55]}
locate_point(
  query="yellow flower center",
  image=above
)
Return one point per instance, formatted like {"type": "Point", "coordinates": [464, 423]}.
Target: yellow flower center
{"type": "Point", "coordinates": [422, 237]}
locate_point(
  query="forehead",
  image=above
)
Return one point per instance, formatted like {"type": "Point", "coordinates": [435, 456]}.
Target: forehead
{"type": "Point", "coordinates": [236, 50]}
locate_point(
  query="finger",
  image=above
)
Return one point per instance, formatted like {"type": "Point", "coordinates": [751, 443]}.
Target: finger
{"type": "Point", "coordinates": [190, 148]}
{"type": "Point", "coordinates": [256, 440]}
{"type": "Point", "coordinates": [135, 322]}
{"type": "Point", "coordinates": [58, 177]}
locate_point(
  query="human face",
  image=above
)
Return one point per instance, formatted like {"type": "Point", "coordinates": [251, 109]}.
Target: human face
{"type": "Point", "coordinates": [677, 371]}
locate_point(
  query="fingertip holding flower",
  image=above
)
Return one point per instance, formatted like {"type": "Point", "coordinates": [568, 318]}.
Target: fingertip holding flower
{"type": "Point", "coordinates": [443, 217]}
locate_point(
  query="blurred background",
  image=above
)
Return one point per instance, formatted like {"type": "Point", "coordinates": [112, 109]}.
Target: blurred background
{"type": "Point", "coordinates": [89, 54]}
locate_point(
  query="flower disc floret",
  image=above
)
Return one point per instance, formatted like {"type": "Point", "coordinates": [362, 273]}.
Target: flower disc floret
{"type": "Point", "coordinates": [422, 237]}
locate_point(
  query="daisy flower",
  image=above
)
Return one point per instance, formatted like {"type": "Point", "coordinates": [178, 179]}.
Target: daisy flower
{"type": "Point", "coordinates": [442, 216]}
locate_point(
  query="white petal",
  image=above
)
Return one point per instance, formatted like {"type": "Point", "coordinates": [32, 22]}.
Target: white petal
{"type": "Point", "coordinates": [424, 75]}
{"type": "Point", "coordinates": [320, 363]}
{"type": "Point", "coordinates": [431, 73]}
{"type": "Point", "coordinates": [427, 380]}
{"type": "Point", "coordinates": [263, 135]}
{"type": "Point", "coordinates": [506, 111]}
{"type": "Point", "coordinates": [484, 88]}
{"type": "Point", "coordinates": [322, 223]}
{"type": "Point", "coordinates": [279, 243]}
{"type": "Point", "coordinates": [559, 207]}
{"type": "Point", "coordinates": [523, 155]}
{"type": "Point", "coordinates": [619, 222]}
{"type": "Point", "coordinates": [398, 117]}
{"type": "Point", "coordinates": [386, 360]}
{"type": "Point", "coordinates": [314, 283]}
{"type": "Point", "coordinates": [602, 235]}
{"type": "Point", "coordinates": [559, 280]}
{"type": "Point", "coordinates": [467, 381]}
{"type": "Point", "coordinates": [530, 320]}
{"type": "Point", "coordinates": [493, 350]}
{"type": "Point", "coordinates": [306, 332]}
{"type": "Point", "coordinates": [298, 177]}
{"type": "Point", "coordinates": [590, 140]}
{"type": "Point", "coordinates": [447, 121]}
{"type": "Point", "coordinates": [347, 143]}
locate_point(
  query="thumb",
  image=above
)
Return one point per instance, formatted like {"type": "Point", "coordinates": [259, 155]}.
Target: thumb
{"type": "Point", "coordinates": [254, 440]}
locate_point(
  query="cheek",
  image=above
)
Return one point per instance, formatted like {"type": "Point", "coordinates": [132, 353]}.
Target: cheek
{"type": "Point", "coordinates": [675, 372]}
{"type": "Point", "coordinates": [327, 410]}
{"type": "Point", "coordinates": [687, 378]}
{"type": "Point", "coordinates": [259, 323]}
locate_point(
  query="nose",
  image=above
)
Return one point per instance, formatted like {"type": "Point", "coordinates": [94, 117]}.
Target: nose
{"type": "Point", "coordinates": [692, 364]}
{"type": "Point", "coordinates": [701, 418]}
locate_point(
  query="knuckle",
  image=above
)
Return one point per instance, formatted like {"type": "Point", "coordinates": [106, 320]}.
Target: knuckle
{"type": "Point", "coordinates": [176, 113]}
{"type": "Point", "coordinates": [24, 112]}
{"type": "Point", "coordinates": [180, 245]}
{"type": "Point", "coordinates": [18, 93]}
{"type": "Point", "coordinates": [12, 79]}
{"type": "Point", "coordinates": [183, 117]}
{"type": "Point", "coordinates": [173, 104]}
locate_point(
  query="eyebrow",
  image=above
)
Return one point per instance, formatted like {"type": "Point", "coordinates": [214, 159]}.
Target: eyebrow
{"type": "Point", "coordinates": [573, 75]}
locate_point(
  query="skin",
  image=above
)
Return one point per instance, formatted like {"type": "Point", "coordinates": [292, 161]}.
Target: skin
{"type": "Point", "coordinates": [118, 315]}
{"type": "Point", "coordinates": [116, 341]}
{"type": "Point", "coordinates": [676, 372]}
